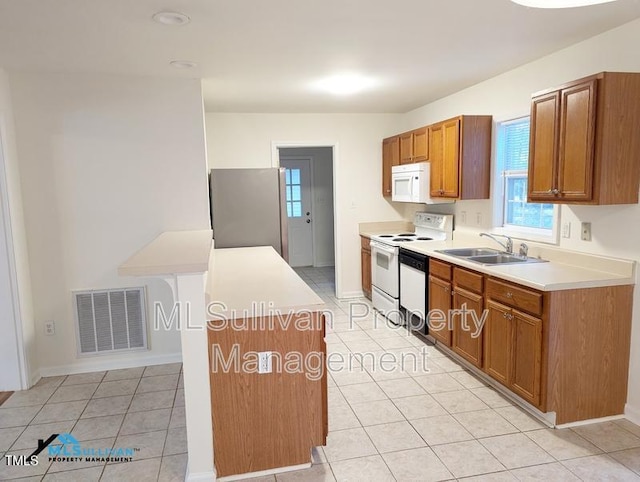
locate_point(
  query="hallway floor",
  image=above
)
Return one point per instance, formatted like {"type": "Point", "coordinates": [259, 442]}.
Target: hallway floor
{"type": "Point", "coordinates": [424, 421]}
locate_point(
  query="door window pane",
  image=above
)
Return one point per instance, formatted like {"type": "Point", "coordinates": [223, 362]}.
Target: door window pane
{"type": "Point", "coordinates": [293, 193]}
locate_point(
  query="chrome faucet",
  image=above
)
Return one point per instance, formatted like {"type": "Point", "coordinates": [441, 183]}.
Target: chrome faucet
{"type": "Point", "coordinates": [508, 246]}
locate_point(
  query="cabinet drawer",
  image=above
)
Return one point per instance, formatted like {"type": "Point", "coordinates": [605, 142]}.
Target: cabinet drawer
{"type": "Point", "coordinates": [468, 280]}
{"type": "Point", "coordinates": [440, 269]}
{"type": "Point", "coordinates": [515, 296]}
{"type": "Point", "coordinates": [364, 242]}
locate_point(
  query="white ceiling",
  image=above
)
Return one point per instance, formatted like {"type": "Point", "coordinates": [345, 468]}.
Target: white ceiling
{"type": "Point", "coordinates": [263, 55]}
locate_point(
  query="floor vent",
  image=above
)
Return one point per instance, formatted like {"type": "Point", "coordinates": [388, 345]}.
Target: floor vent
{"type": "Point", "coordinates": [110, 320]}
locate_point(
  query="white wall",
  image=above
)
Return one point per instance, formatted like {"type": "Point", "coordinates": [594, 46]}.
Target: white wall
{"type": "Point", "coordinates": [322, 203]}
{"type": "Point", "coordinates": [615, 229]}
{"type": "Point", "coordinates": [244, 140]}
{"type": "Point", "coordinates": [107, 164]}
{"type": "Point", "coordinates": [17, 254]}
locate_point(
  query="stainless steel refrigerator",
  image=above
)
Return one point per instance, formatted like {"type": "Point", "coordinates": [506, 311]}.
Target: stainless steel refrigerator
{"type": "Point", "coordinates": [248, 208]}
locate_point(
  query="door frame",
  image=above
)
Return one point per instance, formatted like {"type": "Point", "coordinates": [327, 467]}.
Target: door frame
{"type": "Point", "coordinates": [7, 232]}
{"type": "Point", "coordinates": [275, 162]}
{"type": "Point", "coordinates": [313, 212]}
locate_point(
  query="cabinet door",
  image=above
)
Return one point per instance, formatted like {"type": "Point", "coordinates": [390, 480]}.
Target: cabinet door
{"type": "Point", "coordinates": [527, 354]}
{"type": "Point", "coordinates": [498, 342]}
{"type": "Point", "coordinates": [421, 145]}
{"type": "Point", "coordinates": [365, 256]}
{"type": "Point", "coordinates": [390, 157]}
{"type": "Point", "coordinates": [406, 148]}
{"type": "Point", "coordinates": [543, 145]}
{"type": "Point", "coordinates": [467, 339]}
{"type": "Point", "coordinates": [436, 156]}
{"type": "Point", "coordinates": [577, 132]}
{"type": "Point", "coordinates": [439, 307]}
{"type": "Point", "coordinates": [451, 159]}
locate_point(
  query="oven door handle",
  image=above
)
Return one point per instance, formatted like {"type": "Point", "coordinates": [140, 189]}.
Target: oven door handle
{"type": "Point", "coordinates": [382, 247]}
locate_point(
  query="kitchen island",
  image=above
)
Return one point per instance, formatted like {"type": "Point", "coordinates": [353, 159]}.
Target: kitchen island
{"type": "Point", "coordinates": [267, 357]}
{"type": "Point", "coordinates": [261, 422]}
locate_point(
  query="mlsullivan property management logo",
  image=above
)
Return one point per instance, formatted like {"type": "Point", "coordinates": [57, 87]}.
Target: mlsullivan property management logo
{"type": "Point", "coordinates": [70, 449]}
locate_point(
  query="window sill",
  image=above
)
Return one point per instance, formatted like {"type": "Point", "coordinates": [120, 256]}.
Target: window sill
{"type": "Point", "coordinates": [525, 234]}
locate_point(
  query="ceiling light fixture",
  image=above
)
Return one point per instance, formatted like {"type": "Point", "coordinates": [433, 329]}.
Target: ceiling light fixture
{"type": "Point", "coordinates": [183, 64]}
{"type": "Point", "coordinates": [171, 18]}
{"type": "Point", "coordinates": [345, 84]}
{"type": "Point", "coordinates": [559, 3]}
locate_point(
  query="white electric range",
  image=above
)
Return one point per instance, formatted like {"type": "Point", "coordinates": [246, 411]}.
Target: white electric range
{"type": "Point", "coordinates": [385, 263]}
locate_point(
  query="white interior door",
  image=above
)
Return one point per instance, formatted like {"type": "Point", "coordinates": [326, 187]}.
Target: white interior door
{"type": "Point", "coordinates": [298, 199]}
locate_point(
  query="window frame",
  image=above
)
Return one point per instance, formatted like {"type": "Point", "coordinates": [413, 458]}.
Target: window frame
{"type": "Point", "coordinates": [540, 235]}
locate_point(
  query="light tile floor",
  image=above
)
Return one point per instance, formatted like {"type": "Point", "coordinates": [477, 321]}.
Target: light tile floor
{"type": "Point", "coordinates": [388, 420]}
{"type": "Point", "coordinates": [141, 408]}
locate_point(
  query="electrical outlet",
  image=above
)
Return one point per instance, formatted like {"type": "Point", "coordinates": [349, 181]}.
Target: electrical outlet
{"type": "Point", "coordinates": [264, 362]}
{"type": "Point", "coordinates": [586, 232]}
{"type": "Point", "coordinates": [49, 328]}
{"type": "Point", "coordinates": [463, 217]}
{"type": "Point", "coordinates": [566, 229]}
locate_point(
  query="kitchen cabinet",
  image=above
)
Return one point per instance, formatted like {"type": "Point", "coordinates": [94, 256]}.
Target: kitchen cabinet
{"type": "Point", "coordinates": [460, 157]}
{"type": "Point", "coordinates": [469, 305]}
{"type": "Point", "coordinates": [584, 143]}
{"type": "Point", "coordinates": [440, 301]}
{"type": "Point", "coordinates": [548, 348]}
{"type": "Point", "coordinates": [365, 260]}
{"type": "Point", "coordinates": [390, 158]}
{"type": "Point", "coordinates": [414, 146]}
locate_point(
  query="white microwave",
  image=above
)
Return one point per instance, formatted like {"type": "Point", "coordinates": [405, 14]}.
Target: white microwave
{"type": "Point", "coordinates": [410, 184]}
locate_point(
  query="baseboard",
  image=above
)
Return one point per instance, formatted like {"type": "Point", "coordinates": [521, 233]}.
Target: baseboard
{"type": "Point", "coordinates": [97, 364]}
{"type": "Point", "coordinates": [632, 414]}
{"type": "Point", "coordinates": [580, 423]}
{"type": "Point", "coordinates": [35, 378]}
{"type": "Point", "coordinates": [200, 476]}
{"type": "Point", "coordinates": [264, 473]}
{"type": "Point", "coordinates": [324, 264]}
{"type": "Point", "coordinates": [351, 294]}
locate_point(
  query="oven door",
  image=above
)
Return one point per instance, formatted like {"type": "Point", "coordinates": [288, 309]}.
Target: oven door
{"type": "Point", "coordinates": [384, 268]}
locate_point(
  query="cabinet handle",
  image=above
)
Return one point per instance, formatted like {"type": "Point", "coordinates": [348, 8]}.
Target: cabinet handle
{"type": "Point", "coordinates": [504, 315]}
{"type": "Point", "coordinates": [510, 317]}
{"type": "Point", "coordinates": [556, 192]}
{"type": "Point", "coordinates": [509, 294]}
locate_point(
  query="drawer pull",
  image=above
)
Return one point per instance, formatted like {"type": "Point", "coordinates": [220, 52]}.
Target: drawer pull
{"type": "Point", "coordinates": [509, 294]}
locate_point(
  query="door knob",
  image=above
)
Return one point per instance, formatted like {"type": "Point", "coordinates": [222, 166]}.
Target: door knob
{"type": "Point", "coordinates": [308, 213]}
{"type": "Point", "coordinates": [308, 221]}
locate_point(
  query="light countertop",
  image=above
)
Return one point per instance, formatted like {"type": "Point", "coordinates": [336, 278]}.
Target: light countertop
{"type": "Point", "coordinates": [250, 279]}
{"type": "Point", "coordinates": [577, 270]}
{"type": "Point", "coordinates": [172, 252]}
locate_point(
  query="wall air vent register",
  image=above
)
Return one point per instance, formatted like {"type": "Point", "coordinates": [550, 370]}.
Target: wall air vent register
{"type": "Point", "coordinates": [110, 321]}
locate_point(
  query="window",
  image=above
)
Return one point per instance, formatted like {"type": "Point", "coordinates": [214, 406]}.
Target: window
{"type": "Point", "coordinates": [294, 193]}
{"type": "Point", "coordinates": [513, 158]}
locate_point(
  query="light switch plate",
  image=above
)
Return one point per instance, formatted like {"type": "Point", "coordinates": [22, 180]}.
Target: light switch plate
{"type": "Point", "coordinates": [566, 229]}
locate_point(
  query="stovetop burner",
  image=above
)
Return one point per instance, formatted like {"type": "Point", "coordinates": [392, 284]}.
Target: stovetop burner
{"type": "Point", "coordinates": [407, 234]}
{"type": "Point", "coordinates": [422, 238]}
{"type": "Point", "coordinates": [402, 240]}
{"type": "Point", "coordinates": [386, 235]}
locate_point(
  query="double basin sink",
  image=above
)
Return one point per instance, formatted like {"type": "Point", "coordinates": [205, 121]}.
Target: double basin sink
{"type": "Point", "coordinates": [488, 256]}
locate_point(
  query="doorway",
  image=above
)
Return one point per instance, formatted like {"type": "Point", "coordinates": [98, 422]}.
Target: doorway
{"type": "Point", "coordinates": [310, 205]}
{"type": "Point", "coordinates": [11, 356]}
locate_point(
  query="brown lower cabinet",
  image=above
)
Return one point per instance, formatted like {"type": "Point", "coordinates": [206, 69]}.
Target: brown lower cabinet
{"type": "Point", "coordinates": [264, 421]}
{"type": "Point", "coordinates": [440, 302]}
{"type": "Point", "coordinates": [365, 262]}
{"type": "Point", "coordinates": [467, 340]}
{"type": "Point", "coordinates": [563, 351]}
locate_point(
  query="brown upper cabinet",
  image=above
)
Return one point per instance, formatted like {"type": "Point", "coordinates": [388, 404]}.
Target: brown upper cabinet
{"type": "Point", "coordinates": [584, 144]}
{"type": "Point", "coordinates": [390, 157]}
{"type": "Point", "coordinates": [414, 146]}
{"type": "Point", "coordinates": [460, 157]}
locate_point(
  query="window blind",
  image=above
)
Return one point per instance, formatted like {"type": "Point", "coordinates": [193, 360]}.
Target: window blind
{"type": "Point", "coordinates": [516, 145]}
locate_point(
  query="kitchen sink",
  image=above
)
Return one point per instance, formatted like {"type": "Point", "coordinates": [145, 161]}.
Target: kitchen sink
{"type": "Point", "coordinates": [467, 252]}
{"type": "Point", "coordinates": [488, 256]}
